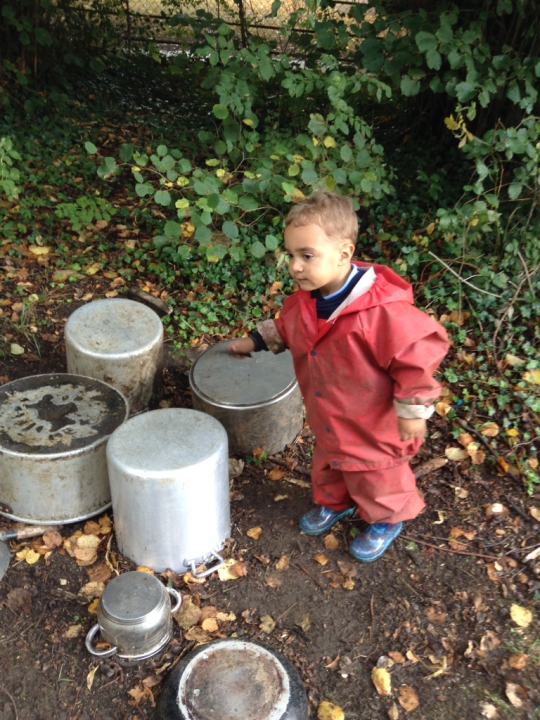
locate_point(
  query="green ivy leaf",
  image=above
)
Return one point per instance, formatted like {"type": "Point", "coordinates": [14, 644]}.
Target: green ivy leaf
{"type": "Point", "coordinates": [514, 191]}
{"type": "Point", "coordinates": [161, 241]}
{"type": "Point", "coordinates": [221, 112]}
{"type": "Point", "coordinates": [184, 166]}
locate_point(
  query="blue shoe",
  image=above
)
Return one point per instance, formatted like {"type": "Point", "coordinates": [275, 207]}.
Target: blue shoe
{"type": "Point", "coordinates": [318, 521]}
{"type": "Point", "coordinates": [375, 541]}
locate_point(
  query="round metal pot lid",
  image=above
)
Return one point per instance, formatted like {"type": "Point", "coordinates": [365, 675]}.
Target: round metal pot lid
{"type": "Point", "coordinates": [164, 441]}
{"type": "Point", "coordinates": [114, 327]}
{"type": "Point", "coordinates": [131, 597]}
{"type": "Point", "coordinates": [234, 680]}
{"type": "Point", "coordinates": [58, 414]}
{"type": "Point", "coordinates": [222, 379]}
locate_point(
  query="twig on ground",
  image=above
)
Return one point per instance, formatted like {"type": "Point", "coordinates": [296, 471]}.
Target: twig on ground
{"type": "Point", "coordinates": [283, 463]}
{"type": "Point", "coordinates": [463, 279]}
{"type": "Point", "coordinates": [309, 575]}
{"type": "Point", "coordinates": [286, 611]}
{"type": "Point", "coordinates": [3, 689]}
{"type": "Point", "coordinates": [409, 586]}
{"type": "Point", "coordinates": [488, 447]}
{"type": "Point", "coordinates": [449, 550]}
{"type": "Point", "coordinates": [372, 608]}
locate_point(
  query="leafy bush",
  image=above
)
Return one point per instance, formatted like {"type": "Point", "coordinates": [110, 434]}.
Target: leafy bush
{"type": "Point", "coordinates": [9, 174]}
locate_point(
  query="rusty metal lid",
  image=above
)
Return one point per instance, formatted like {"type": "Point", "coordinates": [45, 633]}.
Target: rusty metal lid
{"type": "Point", "coordinates": [115, 327]}
{"type": "Point", "coordinates": [221, 379]}
{"type": "Point", "coordinates": [132, 597]}
{"type": "Point", "coordinates": [58, 414]}
{"type": "Point", "coordinates": [234, 680]}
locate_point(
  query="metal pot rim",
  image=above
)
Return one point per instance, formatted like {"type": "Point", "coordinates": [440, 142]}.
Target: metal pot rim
{"type": "Point", "coordinates": [230, 406]}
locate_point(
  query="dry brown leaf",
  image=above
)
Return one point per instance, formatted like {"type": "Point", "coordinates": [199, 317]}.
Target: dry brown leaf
{"type": "Point", "coordinates": [438, 618]}
{"type": "Point", "coordinates": [236, 496]}
{"type": "Point", "coordinates": [93, 589]}
{"type": "Point", "coordinates": [273, 580]}
{"type": "Point", "coordinates": [255, 533]}
{"type": "Point", "coordinates": [465, 439]}
{"type": "Point", "coordinates": [139, 693]}
{"type": "Point", "coordinates": [397, 657]}
{"type": "Point", "coordinates": [91, 528]}
{"type": "Point", "coordinates": [210, 625]}
{"type": "Point", "coordinates": [412, 657]}
{"type": "Point", "coordinates": [348, 584]}
{"type": "Point", "coordinates": [264, 559]}
{"type": "Point", "coordinates": [92, 608]}
{"type": "Point", "coordinates": [521, 616]}
{"type": "Point", "coordinates": [91, 675]}
{"type": "Point", "coordinates": [188, 615]}
{"type": "Point", "coordinates": [88, 541]}
{"type": "Point", "coordinates": [100, 573]}
{"type": "Point", "coordinates": [85, 556]}
{"type": "Point", "coordinates": [226, 617]}
{"type": "Point", "coordinates": [52, 539]}
{"type": "Point", "coordinates": [334, 664]}
{"type": "Point", "coordinates": [283, 563]}
{"type": "Point", "coordinates": [489, 642]}
{"type": "Point", "coordinates": [442, 408]}
{"type": "Point", "coordinates": [496, 511]}
{"type": "Point", "coordinates": [489, 711]}
{"type": "Point", "coordinates": [279, 498]}
{"type": "Point", "coordinates": [382, 681]}
{"type": "Point", "coordinates": [276, 474]}
{"type": "Point", "coordinates": [534, 512]}
{"type": "Point", "coordinates": [393, 712]}
{"type": "Point", "coordinates": [236, 467]}
{"type": "Point", "coordinates": [331, 542]}
{"type": "Point", "coordinates": [430, 466]}
{"type": "Point", "coordinates": [305, 623]}
{"type": "Point", "coordinates": [275, 287]}
{"type": "Point", "coordinates": [518, 661]}
{"type": "Point", "coordinates": [105, 524]}
{"type": "Point", "coordinates": [408, 698]}
{"type": "Point", "coordinates": [268, 624]}
{"type": "Point", "coordinates": [490, 429]}
{"type": "Point", "coordinates": [209, 611]}
{"type": "Point", "coordinates": [321, 559]}
{"type": "Point", "coordinates": [72, 632]}
{"type": "Point", "coordinates": [516, 694]}
{"type": "Point", "coordinates": [347, 568]}
{"type": "Point", "coordinates": [239, 569]}
{"type": "Point", "coordinates": [198, 635]}
{"type": "Point", "coordinates": [20, 599]}
{"type": "Point", "coordinates": [329, 711]}
{"type": "Point", "coordinates": [151, 681]}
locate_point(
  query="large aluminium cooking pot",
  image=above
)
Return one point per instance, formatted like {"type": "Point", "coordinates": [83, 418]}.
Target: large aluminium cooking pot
{"type": "Point", "coordinates": [257, 399]}
{"type": "Point", "coordinates": [233, 680]}
{"type": "Point", "coordinates": [134, 617]}
{"type": "Point", "coordinates": [169, 476]}
{"type": "Point", "coordinates": [53, 431]}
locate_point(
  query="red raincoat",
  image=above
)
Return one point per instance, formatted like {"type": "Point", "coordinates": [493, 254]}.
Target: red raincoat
{"type": "Point", "coordinates": [351, 369]}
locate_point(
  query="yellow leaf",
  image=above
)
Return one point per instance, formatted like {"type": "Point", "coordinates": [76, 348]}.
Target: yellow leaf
{"type": "Point", "coordinates": [88, 541]}
{"type": "Point", "coordinates": [514, 361]}
{"type": "Point", "coordinates": [297, 196]}
{"type": "Point", "coordinates": [431, 228]}
{"type": "Point", "coordinates": [130, 245]}
{"type": "Point", "coordinates": [382, 681]}
{"type": "Point", "coordinates": [268, 624]}
{"type": "Point", "coordinates": [512, 433]}
{"type": "Point", "coordinates": [36, 250]}
{"type": "Point", "coordinates": [31, 556]}
{"type": "Point", "coordinates": [91, 675]}
{"type": "Point", "coordinates": [329, 711]}
{"type": "Point", "coordinates": [451, 124]}
{"type": "Point", "coordinates": [92, 608]}
{"type": "Point", "coordinates": [225, 573]}
{"type": "Point", "coordinates": [455, 454]}
{"type": "Point", "coordinates": [93, 589]}
{"type": "Point", "coordinates": [255, 533]}
{"type": "Point", "coordinates": [321, 559]}
{"type": "Point", "coordinates": [93, 268]}
{"type": "Point", "coordinates": [490, 429]}
{"type": "Point", "coordinates": [533, 376]}
{"type": "Point", "coordinates": [521, 616]}
{"type": "Point", "coordinates": [442, 408]}
{"type": "Point", "coordinates": [143, 569]}
{"type": "Point", "coordinates": [329, 142]}
{"type": "Point", "coordinates": [248, 122]}
{"type": "Point", "coordinates": [408, 698]}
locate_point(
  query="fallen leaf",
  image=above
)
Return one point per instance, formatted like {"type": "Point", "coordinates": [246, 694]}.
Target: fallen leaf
{"type": "Point", "coordinates": [209, 611]}
{"type": "Point", "coordinates": [461, 493]}
{"type": "Point", "coordinates": [190, 579]}
{"type": "Point", "coordinates": [100, 573]}
{"type": "Point", "coordinates": [92, 608]}
{"type": "Point", "coordinates": [226, 617]}
{"type": "Point", "coordinates": [442, 408]}
{"type": "Point", "coordinates": [50, 338]}
{"type": "Point", "coordinates": [393, 712]}
{"type": "Point", "coordinates": [258, 453]}
{"type": "Point", "coordinates": [93, 589]}
{"type": "Point", "coordinates": [321, 559]}
{"type": "Point", "coordinates": [459, 316]}
{"type": "Point", "coordinates": [347, 568]}
{"type": "Point", "coordinates": [329, 711]}
{"type": "Point", "coordinates": [239, 569]}
{"type": "Point", "coordinates": [441, 519]}
{"type": "Point", "coordinates": [456, 454]}
{"type": "Point", "coordinates": [408, 698]}
{"type": "Point", "coordinates": [516, 694]}
{"type": "Point", "coordinates": [489, 642]}
{"type": "Point", "coordinates": [382, 681]}
{"type": "Point", "coordinates": [198, 635]}
{"type": "Point", "coordinates": [139, 693]}
{"type": "Point", "coordinates": [72, 632]}
{"type": "Point", "coordinates": [151, 681]}
{"type": "Point", "coordinates": [412, 657]}
{"type": "Point", "coordinates": [518, 661]}
{"type": "Point", "coordinates": [490, 429]}
{"type": "Point", "coordinates": [105, 524]}
{"type": "Point", "coordinates": [188, 615]}
{"type": "Point", "coordinates": [236, 496]}
{"type": "Point", "coordinates": [101, 224]}
{"type": "Point", "coordinates": [514, 361]}
{"type": "Point", "coordinates": [52, 539]}
{"type": "Point", "coordinates": [533, 376]}
{"type": "Point", "coordinates": [465, 439]}
{"type": "Point", "coordinates": [210, 625]}
{"type": "Point", "coordinates": [489, 711]}
{"type": "Point", "coordinates": [16, 349]}
{"type": "Point", "coordinates": [438, 618]}
{"type": "Point", "coordinates": [331, 542]}
{"type": "Point", "coordinates": [88, 541]}
{"type": "Point", "coordinates": [397, 657]}
{"type": "Point", "coordinates": [111, 294]}
{"type": "Point", "coordinates": [521, 616]}
{"type": "Point", "coordinates": [28, 554]}
{"type": "Point", "coordinates": [279, 498]}
{"type": "Point", "coordinates": [275, 287]}
{"type": "Point", "coordinates": [276, 474]}
{"type": "Point", "coordinates": [20, 599]}
{"type": "Point", "coordinates": [236, 467]}
{"type": "Point", "coordinates": [148, 571]}
{"type": "Point", "coordinates": [493, 573]}
{"type": "Point", "coordinates": [255, 533]}
{"type": "Point", "coordinates": [348, 584]}
{"type": "Point", "coordinates": [534, 512]}
{"type": "Point", "coordinates": [496, 511]}
{"type": "Point", "coordinates": [305, 623]}
{"type": "Point", "coordinates": [94, 268]}
{"type": "Point", "coordinates": [335, 663]}
{"type": "Point", "coordinates": [283, 563]}
{"type": "Point", "coordinates": [91, 675]}
{"type": "Point", "coordinates": [224, 572]}
{"type": "Point", "coordinates": [268, 624]}
{"type": "Point", "coordinates": [85, 556]}
{"type": "Point", "coordinates": [36, 250]}
{"type": "Point", "coordinates": [273, 580]}
{"type": "Point", "coordinates": [264, 559]}
{"type": "Point", "coordinates": [430, 466]}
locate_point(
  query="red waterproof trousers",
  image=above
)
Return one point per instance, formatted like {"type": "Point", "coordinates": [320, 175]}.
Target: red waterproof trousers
{"type": "Point", "coordinates": [382, 496]}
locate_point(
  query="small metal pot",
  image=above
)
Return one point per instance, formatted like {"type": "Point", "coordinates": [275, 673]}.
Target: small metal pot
{"type": "Point", "coordinates": [135, 617]}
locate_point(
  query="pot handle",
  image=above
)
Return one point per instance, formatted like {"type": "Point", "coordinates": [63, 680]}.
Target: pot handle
{"type": "Point", "coordinates": [98, 653]}
{"type": "Point", "coordinates": [176, 595]}
{"type": "Point", "coordinates": [217, 556]}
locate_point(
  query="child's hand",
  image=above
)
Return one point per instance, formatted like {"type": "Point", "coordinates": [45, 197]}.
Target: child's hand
{"type": "Point", "coordinates": [410, 429]}
{"type": "Point", "coordinates": [242, 348]}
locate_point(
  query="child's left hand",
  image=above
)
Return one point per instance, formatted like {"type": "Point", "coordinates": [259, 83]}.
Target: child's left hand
{"type": "Point", "coordinates": [410, 429]}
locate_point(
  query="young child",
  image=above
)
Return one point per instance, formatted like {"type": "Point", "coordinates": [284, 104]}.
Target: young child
{"type": "Point", "coordinates": [364, 358]}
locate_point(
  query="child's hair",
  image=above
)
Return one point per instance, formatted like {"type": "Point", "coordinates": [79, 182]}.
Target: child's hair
{"type": "Point", "coordinates": [333, 213]}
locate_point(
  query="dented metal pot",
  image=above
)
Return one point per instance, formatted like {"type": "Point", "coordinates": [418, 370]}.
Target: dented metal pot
{"type": "Point", "coordinates": [134, 617]}
{"type": "Point", "coordinates": [53, 432]}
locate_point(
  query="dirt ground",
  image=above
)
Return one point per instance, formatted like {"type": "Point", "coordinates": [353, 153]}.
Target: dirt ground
{"type": "Point", "coordinates": [436, 611]}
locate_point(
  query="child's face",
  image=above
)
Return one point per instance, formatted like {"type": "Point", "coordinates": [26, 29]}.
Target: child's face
{"type": "Point", "coordinates": [316, 261]}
